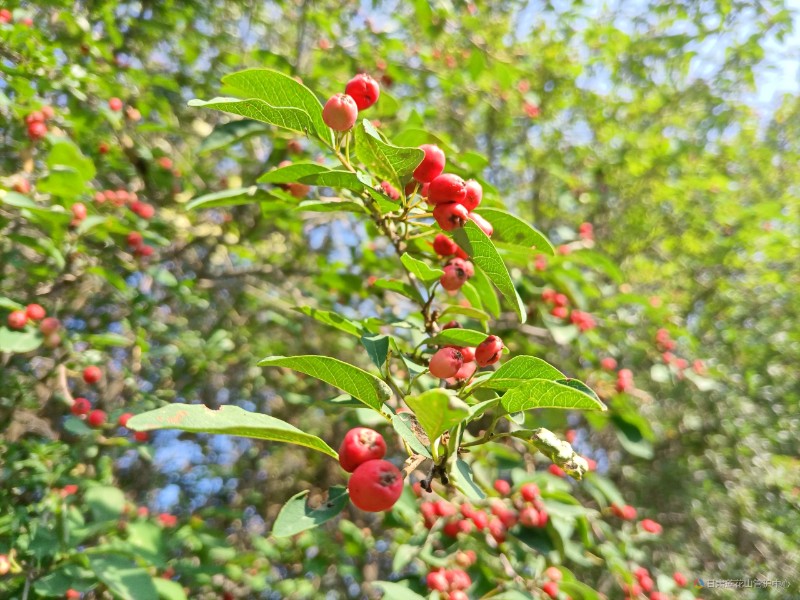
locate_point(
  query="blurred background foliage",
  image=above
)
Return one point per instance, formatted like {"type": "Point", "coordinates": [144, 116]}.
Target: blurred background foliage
{"type": "Point", "coordinates": [642, 118]}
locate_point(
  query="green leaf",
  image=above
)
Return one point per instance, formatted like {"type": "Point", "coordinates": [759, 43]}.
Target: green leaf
{"type": "Point", "coordinates": [486, 292]}
{"type": "Point", "coordinates": [458, 337]}
{"type": "Point", "coordinates": [631, 437]}
{"type": "Point", "coordinates": [106, 503]}
{"type": "Point", "coordinates": [68, 576]}
{"type": "Point", "coordinates": [64, 153]}
{"type": "Point", "coordinates": [280, 90]}
{"type": "Point", "coordinates": [358, 383]}
{"type": "Point", "coordinates": [377, 347]}
{"type": "Point", "coordinates": [437, 411]}
{"type": "Point", "coordinates": [230, 133]}
{"type": "Point", "coordinates": [396, 591]}
{"type": "Point", "coordinates": [543, 393]}
{"type": "Point", "coordinates": [292, 119]}
{"type": "Point", "coordinates": [124, 579]}
{"type": "Point", "coordinates": [384, 160]}
{"type": "Point", "coordinates": [62, 181]}
{"type": "Point", "coordinates": [335, 205]}
{"type": "Point", "coordinates": [169, 590]}
{"type": "Point", "coordinates": [293, 173]}
{"type": "Point", "coordinates": [297, 516]}
{"type": "Point", "coordinates": [230, 420]}
{"type": "Point", "coordinates": [467, 311]}
{"type": "Point", "coordinates": [401, 287]}
{"type": "Point", "coordinates": [510, 228]}
{"type": "Point", "coordinates": [333, 319]}
{"type": "Point", "coordinates": [19, 342]}
{"type": "Point", "coordinates": [421, 270]}
{"type": "Point", "coordinates": [520, 369]}
{"type": "Point", "coordinates": [483, 253]}
{"type": "Point", "coordinates": [336, 179]}
{"type": "Point", "coordinates": [400, 422]}
{"type": "Point", "coordinates": [233, 197]}
{"type": "Point", "coordinates": [464, 481]}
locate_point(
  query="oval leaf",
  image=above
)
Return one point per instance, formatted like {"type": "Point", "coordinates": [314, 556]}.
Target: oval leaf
{"type": "Point", "coordinates": [543, 393]}
{"type": "Point", "coordinates": [296, 515]}
{"type": "Point", "coordinates": [230, 420]}
{"type": "Point", "coordinates": [382, 159]}
{"type": "Point", "coordinates": [510, 228]}
{"type": "Point", "coordinates": [520, 369]}
{"type": "Point", "coordinates": [437, 411]}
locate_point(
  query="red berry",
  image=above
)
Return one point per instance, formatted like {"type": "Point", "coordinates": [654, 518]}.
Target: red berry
{"type": "Point", "coordinates": [608, 363]}
{"type": "Point", "coordinates": [529, 517]}
{"type": "Point", "coordinates": [561, 300]}
{"type": "Point", "coordinates": [375, 485]}
{"type": "Point", "coordinates": [488, 351]}
{"type": "Point", "coordinates": [123, 419]}
{"type": "Point", "coordinates": [37, 130]}
{"type": "Point", "coordinates": [144, 210]}
{"type": "Point", "coordinates": [540, 264]}
{"type": "Point", "coordinates": [444, 508]}
{"type": "Point", "coordinates": [340, 112]}
{"type": "Point", "coordinates": [144, 251]}
{"type": "Point", "coordinates": [650, 526]}
{"type": "Point", "coordinates": [553, 574]}
{"type": "Point", "coordinates": [364, 90]}
{"type": "Point", "coordinates": [437, 581]}
{"type": "Point", "coordinates": [432, 164]}
{"type": "Point", "coordinates": [446, 189]}
{"type": "Point", "coordinates": [680, 578]}
{"type": "Point", "coordinates": [92, 374]}
{"type": "Point", "coordinates": [5, 17]}
{"type": "Point", "coordinates": [557, 471]}
{"type": "Point", "coordinates": [466, 371]}
{"type": "Point", "coordinates": [49, 325]}
{"type": "Point", "coordinates": [452, 325]}
{"type": "Point", "coordinates": [627, 512]}
{"type": "Point", "coordinates": [550, 588]}
{"type": "Point", "coordinates": [167, 520]}
{"type": "Point", "coordinates": [134, 239]}
{"type": "Point", "coordinates": [17, 319]}
{"type": "Point", "coordinates": [445, 363]}
{"type": "Point", "coordinates": [497, 530]}
{"type": "Point", "coordinates": [484, 225]}
{"type": "Point", "coordinates": [658, 596]}
{"type": "Point", "coordinates": [458, 579]}
{"type": "Point", "coordinates": [464, 265]}
{"type": "Point", "coordinates": [103, 148]}
{"type": "Point", "coordinates": [72, 594]}
{"type": "Point", "coordinates": [453, 278]}
{"type": "Point", "coordinates": [474, 195]}
{"type": "Point", "coordinates": [115, 104]}
{"type": "Point", "coordinates": [640, 572]}
{"type": "Point", "coordinates": [141, 436]}
{"type": "Point", "coordinates": [467, 353]}
{"type": "Point", "coordinates": [35, 117]}
{"type": "Point", "coordinates": [78, 211]}
{"type": "Point", "coordinates": [444, 246]}
{"type": "Point", "coordinates": [481, 519]}
{"type": "Point", "coordinates": [632, 589]}
{"type": "Point", "coordinates": [390, 190]}
{"type": "Point", "coordinates": [570, 435]}
{"type": "Point", "coordinates": [165, 162]}
{"type": "Point", "coordinates": [48, 112]}
{"type": "Point", "coordinates": [360, 445]}
{"type": "Point", "coordinates": [96, 418]}
{"type": "Point", "coordinates": [35, 312]}
{"type": "Point", "coordinates": [22, 185]}
{"type": "Point", "coordinates": [560, 312]}
{"type": "Point", "coordinates": [450, 216]}
{"type": "Point", "coordinates": [80, 406]}
{"type": "Point", "coordinates": [529, 492]}
{"type": "Point", "coordinates": [457, 595]}
{"type": "Point", "coordinates": [646, 583]}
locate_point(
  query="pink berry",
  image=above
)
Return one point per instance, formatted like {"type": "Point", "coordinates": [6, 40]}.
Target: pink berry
{"type": "Point", "coordinates": [488, 351]}
{"type": "Point", "coordinates": [37, 130]}
{"type": "Point", "coordinates": [340, 112]}
{"type": "Point", "coordinates": [375, 485]}
{"type": "Point", "coordinates": [529, 517]}
{"type": "Point", "coordinates": [466, 371]}
{"type": "Point", "coordinates": [608, 363]}
{"type": "Point", "coordinates": [360, 445]}
{"type": "Point", "coordinates": [364, 90]}
{"type": "Point", "coordinates": [553, 574]}
{"type": "Point", "coordinates": [529, 492]}
{"type": "Point", "coordinates": [557, 471]}
{"type": "Point", "coordinates": [92, 374]}
{"type": "Point", "coordinates": [550, 588]}
{"type": "Point", "coordinates": [560, 312]}
{"type": "Point", "coordinates": [502, 487]}
{"type": "Point", "coordinates": [96, 418]}
{"type": "Point", "coordinates": [437, 581]}
{"type": "Point", "coordinates": [432, 164]}
{"type": "Point", "coordinates": [650, 526]}
{"type": "Point", "coordinates": [447, 188]}
{"type": "Point", "coordinates": [35, 312]}
{"type": "Point", "coordinates": [78, 211]}
{"type": "Point", "coordinates": [484, 225]}
{"type": "Point", "coordinates": [680, 578]}
{"type": "Point", "coordinates": [450, 215]}
{"type": "Point", "coordinates": [445, 363]}
{"type": "Point", "coordinates": [80, 406]}
{"type": "Point", "coordinates": [115, 104]}
{"type": "Point", "coordinates": [5, 17]}
{"type": "Point", "coordinates": [17, 319]}
{"type": "Point", "coordinates": [49, 325]}
{"type": "Point", "coordinates": [474, 195]}
{"type": "Point", "coordinates": [453, 278]}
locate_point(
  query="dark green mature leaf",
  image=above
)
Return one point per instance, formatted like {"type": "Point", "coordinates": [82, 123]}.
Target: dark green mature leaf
{"type": "Point", "coordinates": [420, 269]}
{"type": "Point", "coordinates": [281, 90]}
{"type": "Point", "coordinates": [483, 253]}
{"type": "Point", "coordinates": [384, 160]}
{"type": "Point", "coordinates": [230, 133]}
{"type": "Point", "coordinates": [520, 369]}
{"type": "Point", "coordinates": [232, 197]}
{"type": "Point", "coordinates": [230, 420]}
{"type": "Point", "coordinates": [512, 229]}
{"type": "Point", "coordinates": [358, 383]}
{"type": "Point", "coordinates": [106, 503]}
{"type": "Point", "coordinates": [292, 119]}
{"type": "Point", "coordinates": [377, 347]}
{"type": "Point", "coordinates": [124, 579]}
{"type": "Point", "coordinates": [297, 516]}
{"type": "Point", "coordinates": [19, 341]}
{"type": "Point", "coordinates": [544, 393]}
{"type": "Point", "coordinates": [458, 337]}
{"type": "Point", "coordinates": [437, 411]}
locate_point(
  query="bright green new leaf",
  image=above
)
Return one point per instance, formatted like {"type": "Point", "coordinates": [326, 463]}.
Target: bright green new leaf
{"type": "Point", "coordinates": [437, 411]}
{"type": "Point", "coordinates": [520, 369]}
{"type": "Point", "coordinates": [544, 393]}
{"type": "Point", "coordinates": [458, 337]}
{"type": "Point", "coordinates": [382, 159]}
{"type": "Point", "coordinates": [296, 515]}
{"type": "Point", "coordinates": [510, 228]}
{"type": "Point", "coordinates": [420, 269]}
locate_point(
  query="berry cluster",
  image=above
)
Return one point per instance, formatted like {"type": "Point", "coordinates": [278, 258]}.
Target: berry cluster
{"type": "Point", "coordinates": [666, 344]}
{"type": "Point", "coordinates": [122, 197]}
{"type": "Point", "coordinates": [452, 582]}
{"type": "Point", "coordinates": [341, 110]}
{"type": "Point", "coordinates": [37, 122]}
{"type": "Point", "coordinates": [624, 380]}
{"type": "Point", "coordinates": [644, 584]}
{"type": "Point", "coordinates": [559, 302]}
{"type": "Point", "coordinates": [459, 363]}
{"type": "Point", "coordinates": [458, 270]}
{"type": "Point", "coordinates": [375, 484]}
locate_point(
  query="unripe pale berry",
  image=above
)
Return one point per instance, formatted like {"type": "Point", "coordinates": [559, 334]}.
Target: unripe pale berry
{"type": "Point", "coordinates": [431, 166]}
{"type": "Point", "coordinates": [450, 215]}
{"type": "Point", "coordinates": [485, 226]}
{"type": "Point", "coordinates": [17, 319]}
{"type": "Point", "coordinates": [488, 351]}
{"type": "Point", "coordinates": [340, 112]}
{"type": "Point", "coordinates": [92, 374]}
{"type": "Point", "coordinates": [364, 90]}
{"type": "Point", "coordinates": [49, 325]}
{"type": "Point", "coordinates": [115, 104]}
{"type": "Point", "coordinates": [360, 445]}
{"type": "Point", "coordinates": [35, 312]}
{"type": "Point", "coordinates": [444, 246]}
{"type": "Point", "coordinates": [453, 278]}
{"type": "Point", "coordinates": [445, 363]}
{"type": "Point", "coordinates": [96, 418]}
{"type": "Point", "coordinates": [80, 406]}
{"type": "Point", "coordinates": [375, 485]}
{"type": "Point", "coordinates": [474, 195]}
{"type": "Point", "coordinates": [554, 574]}
{"type": "Point", "coordinates": [447, 188]}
